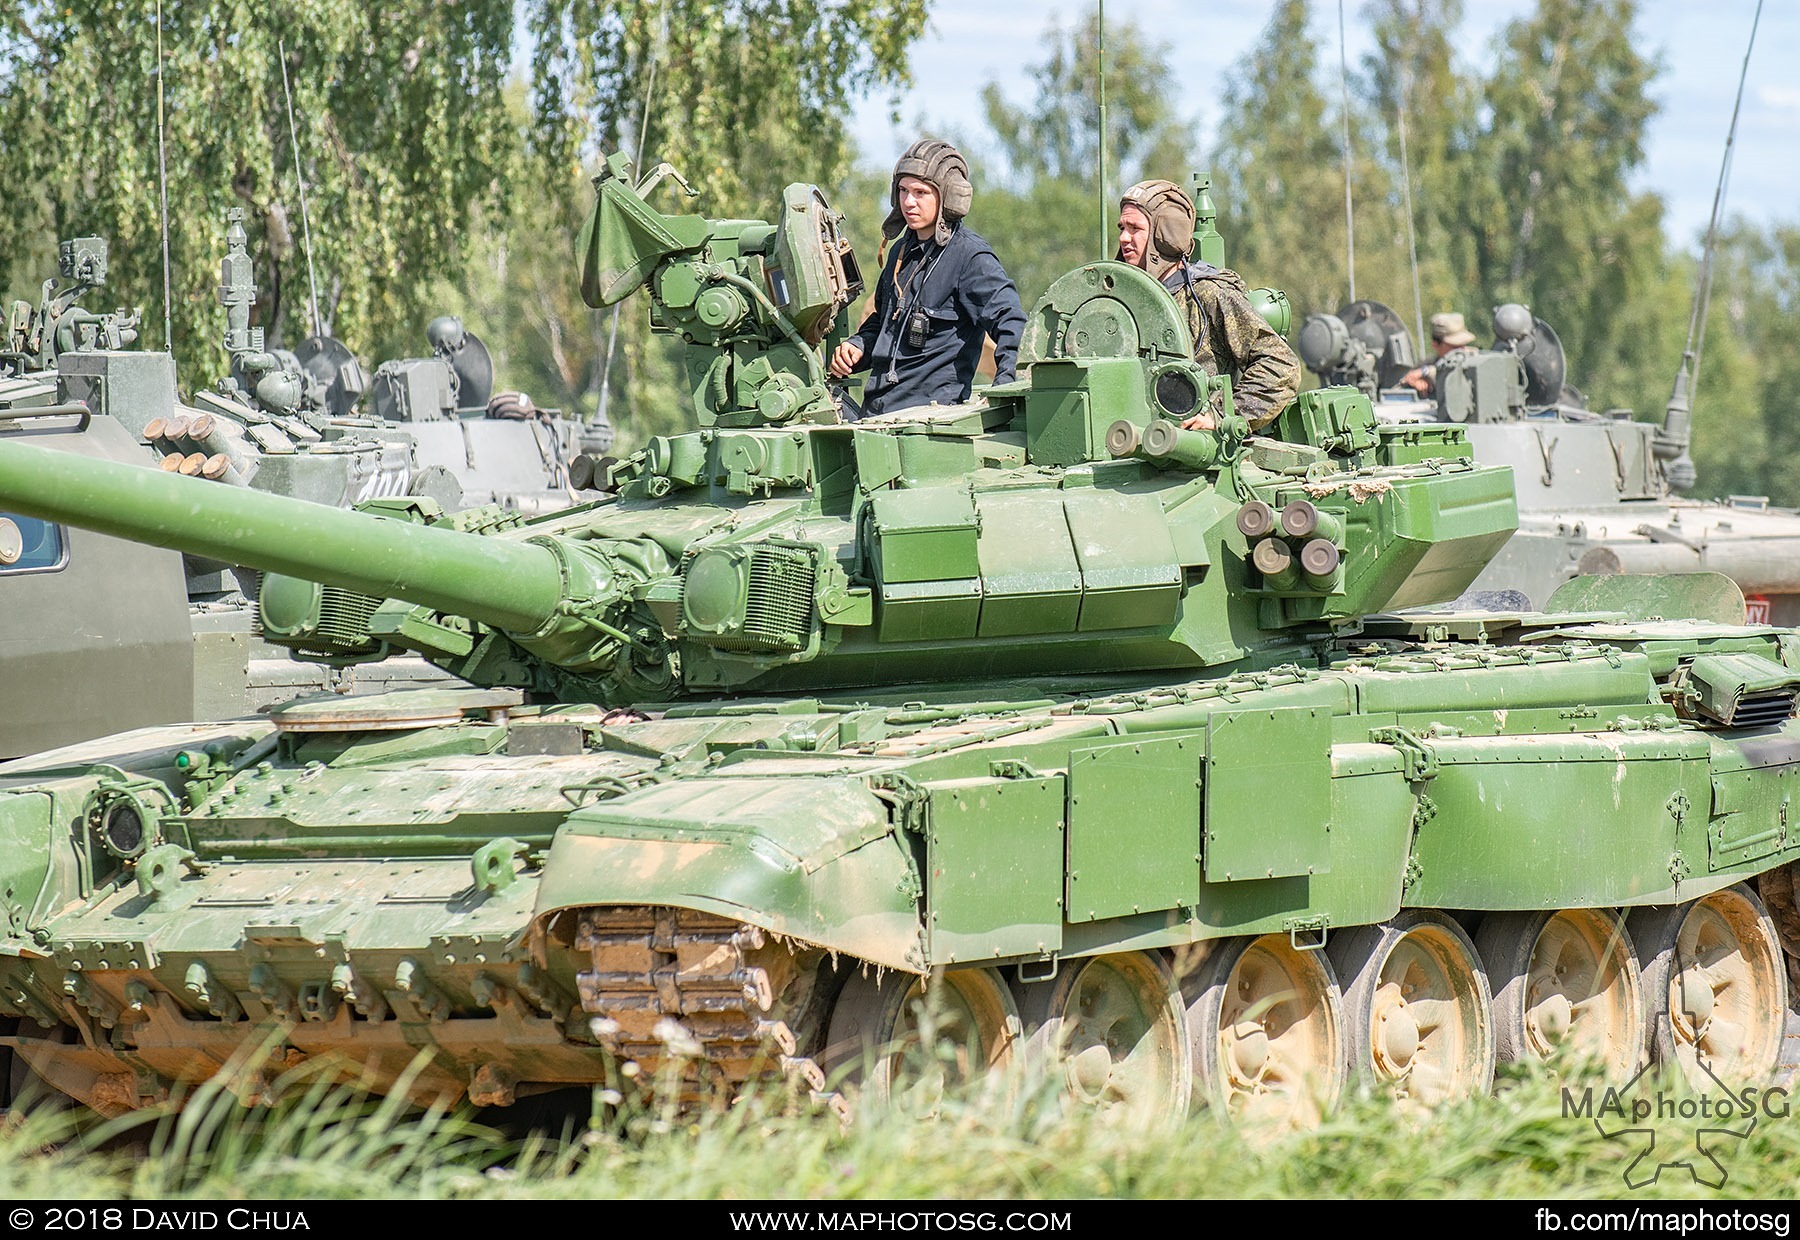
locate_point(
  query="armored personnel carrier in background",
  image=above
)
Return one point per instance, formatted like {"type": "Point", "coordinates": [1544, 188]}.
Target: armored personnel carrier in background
{"type": "Point", "coordinates": [99, 634]}
{"type": "Point", "coordinates": [1599, 492]}
{"type": "Point", "coordinates": [1037, 722]}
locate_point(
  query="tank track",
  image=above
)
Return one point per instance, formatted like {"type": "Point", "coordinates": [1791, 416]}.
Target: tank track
{"type": "Point", "coordinates": [671, 988]}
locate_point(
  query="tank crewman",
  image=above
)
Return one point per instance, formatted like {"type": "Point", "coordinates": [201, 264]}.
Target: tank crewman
{"type": "Point", "coordinates": [1450, 337]}
{"type": "Point", "coordinates": [1156, 233]}
{"type": "Point", "coordinates": [941, 291]}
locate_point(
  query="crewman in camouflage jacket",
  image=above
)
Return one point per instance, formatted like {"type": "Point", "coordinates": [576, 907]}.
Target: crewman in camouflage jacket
{"type": "Point", "coordinates": [1156, 233]}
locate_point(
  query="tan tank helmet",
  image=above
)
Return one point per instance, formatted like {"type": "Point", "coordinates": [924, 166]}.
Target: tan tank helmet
{"type": "Point", "coordinates": [1171, 218]}
{"type": "Point", "coordinates": [943, 167]}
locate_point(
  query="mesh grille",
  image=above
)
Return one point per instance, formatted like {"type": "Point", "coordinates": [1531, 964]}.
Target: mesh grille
{"type": "Point", "coordinates": [778, 615]}
{"type": "Point", "coordinates": [344, 619]}
{"type": "Point", "coordinates": [1763, 710]}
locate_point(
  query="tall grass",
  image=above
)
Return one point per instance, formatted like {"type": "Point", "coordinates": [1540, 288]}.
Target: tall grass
{"type": "Point", "coordinates": [323, 1140]}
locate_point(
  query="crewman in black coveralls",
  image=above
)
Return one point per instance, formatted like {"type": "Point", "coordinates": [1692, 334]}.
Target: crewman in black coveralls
{"type": "Point", "coordinates": [941, 291]}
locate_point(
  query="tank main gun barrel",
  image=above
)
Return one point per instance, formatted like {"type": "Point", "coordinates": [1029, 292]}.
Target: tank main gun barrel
{"type": "Point", "coordinates": [515, 586]}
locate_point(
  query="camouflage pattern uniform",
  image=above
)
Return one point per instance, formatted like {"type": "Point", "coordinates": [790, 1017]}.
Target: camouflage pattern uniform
{"type": "Point", "coordinates": [1231, 338]}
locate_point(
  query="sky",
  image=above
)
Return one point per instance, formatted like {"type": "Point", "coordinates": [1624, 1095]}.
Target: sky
{"type": "Point", "coordinates": [1699, 43]}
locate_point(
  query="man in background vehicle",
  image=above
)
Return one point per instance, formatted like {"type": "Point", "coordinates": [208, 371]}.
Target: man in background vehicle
{"type": "Point", "coordinates": [1449, 336]}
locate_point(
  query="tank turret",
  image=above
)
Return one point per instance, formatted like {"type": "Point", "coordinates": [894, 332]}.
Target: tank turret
{"type": "Point", "coordinates": [1064, 523]}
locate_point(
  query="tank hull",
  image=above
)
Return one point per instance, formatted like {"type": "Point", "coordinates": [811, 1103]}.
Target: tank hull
{"type": "Point", "coordinates": [698, 887]}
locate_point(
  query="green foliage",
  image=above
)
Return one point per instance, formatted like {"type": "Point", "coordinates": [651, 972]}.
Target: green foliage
{"type": "Point", "coordinates": [1559, 228]}
{"type": "Point", "coordinates": [1281, 176]}
{"type": "Point", "coordinates": [975, 1145]}
{"type": "Point", "coordinates": [396, 129]}
{"type": "Point", "coordinates": [1038, 199]}
{"type": "Point", "coordinates": [1411, 87]}
{"type": "Point", "coordinates": [1057, 136]}
{"type": "Point", "coordinates": [1745, 438]}
{"type": "Point", "coordinates": [741, 95]}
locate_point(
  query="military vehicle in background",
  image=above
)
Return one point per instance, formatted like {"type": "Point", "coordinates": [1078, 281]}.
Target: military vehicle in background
{"type": "Point", "coordinates": [499, 446]}
{"type": "Point", "coordinates": [97, 634]}
{"type": "Point", "coordinates": [1599, 492]}
{"type": "Point", "coordinates": [37, 335]}
{"type": "Point", "coordinates": [1111, 739]}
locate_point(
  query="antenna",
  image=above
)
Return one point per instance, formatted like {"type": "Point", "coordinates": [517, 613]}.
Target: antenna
{"type": "Point", "coordinates": [162, 184]}
{"type": "Point", "coordinates": [1673, 436]}
{"type": "Point", "coordinates": [1344, 88]}
{"type": "Point", "coordinates": [1100, 26]}
{"type": "Point", "coordinates": [312, 282]}
{"type": "Point", "coordinates": [1412, 242]}
{"type": "Point", "coordinates": [612, 338]}
{"type": "Point", "coordinates": [1696, 344]}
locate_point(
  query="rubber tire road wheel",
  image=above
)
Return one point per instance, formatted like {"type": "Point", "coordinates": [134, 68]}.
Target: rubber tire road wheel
{"type": "Point", "coordinates": [1776, 887]}
{"type": "Point", "coordinates": [1566, 984]}
{"type": "Point", "coordinates": [874, 1044]}
{"type": "Point", "coordinates": [1267, 1027]}
{"type": "Point", "coordinates": [1113, 1030]}
{"type": "Point", "coordinates": [1418, 1016]}
{"type": "Point", "coordinates": [1714, 981]}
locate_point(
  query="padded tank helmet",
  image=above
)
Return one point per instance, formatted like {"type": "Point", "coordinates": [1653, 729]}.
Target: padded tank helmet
{"type": "Point", "coordinates": [941, 166]}
{"type": "Point", "coordinates": [1171, 217]}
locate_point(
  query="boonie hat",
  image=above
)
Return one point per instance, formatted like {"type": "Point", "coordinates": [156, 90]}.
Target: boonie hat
{"type": "Point", "coordinates": [1449, 329]}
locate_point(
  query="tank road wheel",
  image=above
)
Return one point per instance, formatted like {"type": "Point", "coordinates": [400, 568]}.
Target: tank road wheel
{"type": "Point", "coordinates": [1419, 1020]}
{"type": "Point", "coordinates": [1776, 887]}
{"type": "Point", "coordinates": [1267, 1025]}
{"type": "Point", "coordinates": [1715, 985]}
{"type": "Point", "coordinates": [879, 1031]}
{"type": "Point", "coordinates": [1566, 984]}
{"type": "Point", "coordinates": [1116, 1028]}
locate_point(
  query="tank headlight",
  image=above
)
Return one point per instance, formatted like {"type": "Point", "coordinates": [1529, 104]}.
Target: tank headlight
{"type": "Point", "coordinates": [124, 823]}
{"type": "Point", "coordinates": [1177, 393]}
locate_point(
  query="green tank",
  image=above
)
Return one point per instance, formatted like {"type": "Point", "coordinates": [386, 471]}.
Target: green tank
{"type": "Point", "coordinates": [1036, 722]}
